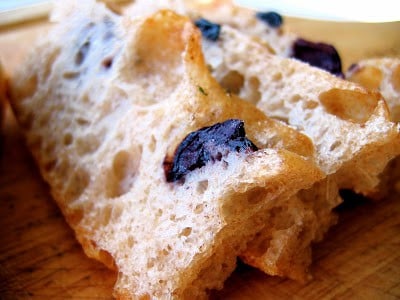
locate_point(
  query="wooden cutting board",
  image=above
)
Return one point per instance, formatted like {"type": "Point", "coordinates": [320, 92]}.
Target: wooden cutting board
{"type": "Point", "coordinates": [40, 258]}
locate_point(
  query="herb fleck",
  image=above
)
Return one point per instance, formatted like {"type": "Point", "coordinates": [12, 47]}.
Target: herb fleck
{"type": "Point", "coordinates": [201, 90]}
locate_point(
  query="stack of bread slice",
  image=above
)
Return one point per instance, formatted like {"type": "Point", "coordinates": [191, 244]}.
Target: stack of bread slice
{"type": "Point", "coordinates": [349, 125]}
{"type": "Point", "coordinates": [166, 176]}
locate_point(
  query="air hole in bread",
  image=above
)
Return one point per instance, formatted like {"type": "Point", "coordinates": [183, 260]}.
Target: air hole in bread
{"type": "Point", "coordinates": [82, 122]}
{"type": "Point", "coordinates": [77, 184]}
{"type": "Point", "coordinates": [50, 62]}
{"type": "Point", "coordinates": [68, 139]}
{"type": "Point", "coordinates": [165, 252]}
{"type": "Point", "coordinates": [123, 172]}
{"type": "Point", "coordinates": [185, 232]}
{"type": "Point", "coordinates": [87, 144]}
{"type": "Point", "coordinates": [335, 145]}
{"type": "Point", "coordinates": [80, 56]}
{"type": "Point", "coordinates": [130, 241]}
{"type": "Point", "coordinates": [150, 263]}
{"type": "Point", "coordinates": [254, 94]}
{"type": "Point", "coordinates": [233, 82]}
{"type": "Point", "coordinates": [202, 186]}
{"type": "Point", "coordinates": [159, 212]}
{"type": "Point", "coordinates": [310, 104]}
{"type": "Point", "coordinates": [368, 76]}
{"type": "Point", "coordinates": [107, 62]}
{"type": "Point", "coordinates": [29, 88]}
{"type": "Point", "coordinates": [396, 78]}
{"type": "Point", "coordinates": [85, 98]}
{"type": "Point", "coordinates": [295, 98]}
{"type": "Point", "coordinates": [349, 105]}
{"type": "Point", "coordinates": [277, 76]}
{"type": "Point", "coordinates": [199, 208]}
{"type": "Point", "coordinates": [70, 75]}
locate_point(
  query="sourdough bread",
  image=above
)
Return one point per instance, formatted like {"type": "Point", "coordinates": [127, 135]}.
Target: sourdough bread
{"type": "Point", "coordinates": [103, 101]}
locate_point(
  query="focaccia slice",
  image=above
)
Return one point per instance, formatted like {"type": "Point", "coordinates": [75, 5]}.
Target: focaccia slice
{"type": "Point", "coordinates": [289, 252]}
{"type": "Point", "coordinates": [106, 104]}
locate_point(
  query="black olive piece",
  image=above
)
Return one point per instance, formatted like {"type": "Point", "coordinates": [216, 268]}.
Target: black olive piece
{"type": "Point", "coordinates": [321, 55]}
{"type": "Point", "coordinates": [207, 144]}
{"type": "Point", "coordinates": [209, 30]}
{"type": "Point", "coordinates": [272, 18]}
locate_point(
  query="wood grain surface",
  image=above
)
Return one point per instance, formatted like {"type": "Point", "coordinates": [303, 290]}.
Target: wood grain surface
{"type": "Point", "coordinates": [40, 258]}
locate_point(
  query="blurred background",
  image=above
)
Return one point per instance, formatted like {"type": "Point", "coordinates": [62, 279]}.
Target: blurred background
{"type": "Point", "coordinates": [338, 10]}
{"type": "Point", "coordinates": [358, 29]}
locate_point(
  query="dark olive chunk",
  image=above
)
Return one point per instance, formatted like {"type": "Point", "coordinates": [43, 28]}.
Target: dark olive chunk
{"type": "Point", "coordinates": [209, 30]}
{"type": "Point", "coordinates": [319, 55]}
{"type": "Point", "coordinates": [271, 18]}
{"type": "Point", "coordinates": [205, 145]}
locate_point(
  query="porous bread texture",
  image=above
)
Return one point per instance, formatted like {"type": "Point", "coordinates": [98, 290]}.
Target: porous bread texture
{"type": "Point", "coordinates": [102, 102]}
{"type": "Point", "coordinates": [349, 125]}
{"type": "Point", "coordinates": [302, 96]}
{"type": "Point", "coordinates": [284, 246]}
{"type": "Point", "coordinates": [383, 75]}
